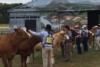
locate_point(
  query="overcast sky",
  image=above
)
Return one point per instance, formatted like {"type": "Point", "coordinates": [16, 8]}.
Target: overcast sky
{"type": "Point", "coordinates": [26, 1]}
{"type": "Point", "coordinates": [94, 1]}
{"type": "Point", "coordinates": [15, 1]}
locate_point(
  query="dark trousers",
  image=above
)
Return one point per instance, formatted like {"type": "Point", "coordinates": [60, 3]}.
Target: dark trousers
{"type": "Point", "coordinates": [85, 43]}
{"type": "Point", "coordinates": [78, 41]}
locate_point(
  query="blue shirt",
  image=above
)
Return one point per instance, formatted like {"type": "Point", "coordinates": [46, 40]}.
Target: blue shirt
{"type": "Point", "coordinates": [44, 35]}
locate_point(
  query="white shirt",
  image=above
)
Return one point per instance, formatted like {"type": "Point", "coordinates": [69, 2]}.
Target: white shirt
{"type": "Point", "coordinates": [85, 32]}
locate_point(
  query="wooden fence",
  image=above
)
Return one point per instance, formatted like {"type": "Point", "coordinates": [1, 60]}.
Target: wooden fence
{"type": "Point", "coordinates": [4, 28]}
{"type": "Point", "coordinates": [4, 32]}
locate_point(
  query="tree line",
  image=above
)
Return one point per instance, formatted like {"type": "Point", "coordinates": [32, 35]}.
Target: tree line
{"type": "Point", "coordinates": [4, 15]}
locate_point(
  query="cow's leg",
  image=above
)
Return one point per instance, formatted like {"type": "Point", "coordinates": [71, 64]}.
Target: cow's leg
{"type": "Point", "coordinates": [28, 59]}
{"type": "Point", "coordinates": [33, 55]}
{"type": "Point", "coordinates": [10, 62]}
{"type": "Point", "coordinates": [4, 60]}
{"type": "Point", "coordinates": [89, 42]}
{"type": "Point", "coordinates": [23, 61]}
{"type": "Point", "coordinates": [93, 41]}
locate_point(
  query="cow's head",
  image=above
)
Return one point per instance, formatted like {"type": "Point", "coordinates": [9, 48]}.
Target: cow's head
{"type": "Point", "coordinates": [21, 33]}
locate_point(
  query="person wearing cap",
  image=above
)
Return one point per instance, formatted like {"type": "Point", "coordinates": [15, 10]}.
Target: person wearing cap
{"type": "Point", "coordinates": [78, 39]}
{"type": "Point", "coordinates": [85, 38]}
{"type": "Point", "coordinates": [97, 37]}
{"type": "Point", "coordinates": [47, 45]}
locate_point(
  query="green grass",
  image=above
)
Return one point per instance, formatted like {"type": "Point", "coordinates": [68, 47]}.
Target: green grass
{"type": "Point", "coordinates": [89, 59]}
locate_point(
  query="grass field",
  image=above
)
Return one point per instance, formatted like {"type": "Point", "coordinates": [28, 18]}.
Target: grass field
{"type": "Point", "coordinates": [89, 59]}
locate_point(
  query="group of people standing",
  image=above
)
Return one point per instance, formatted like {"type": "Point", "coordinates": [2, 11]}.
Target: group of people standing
{"type": "Point", "coordinates": [81, 37]}
{"type": "Point", "coordinates": [74, 36]}
{"type": "Point", "coordinates": [47, 42]}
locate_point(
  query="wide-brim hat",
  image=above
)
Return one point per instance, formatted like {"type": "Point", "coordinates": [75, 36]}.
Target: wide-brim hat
{"type": "Point", "coordinates": [84, 26]}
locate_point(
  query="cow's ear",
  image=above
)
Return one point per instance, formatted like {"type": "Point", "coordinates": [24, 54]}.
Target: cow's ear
{"type": "Point", "coordinates": [16, 30]}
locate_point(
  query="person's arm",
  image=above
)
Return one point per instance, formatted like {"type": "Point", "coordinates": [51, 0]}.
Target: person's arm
{"type": "Point", "coordinates": [35, 33]}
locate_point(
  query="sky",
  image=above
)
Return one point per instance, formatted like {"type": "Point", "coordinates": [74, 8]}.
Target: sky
{"type": "Point", "coordinates": [94, 1]}
{"type": "Point", "coordinates": [26, 1]}
{"type": "Point", "coordinates": [15, 1]}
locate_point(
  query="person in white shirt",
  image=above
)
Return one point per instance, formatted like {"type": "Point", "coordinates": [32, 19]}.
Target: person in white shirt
{"type": "Point", "coordinates": [47, 45]}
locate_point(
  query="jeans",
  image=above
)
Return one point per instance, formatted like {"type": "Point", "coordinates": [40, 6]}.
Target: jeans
{"type": "Point", "coordinates": [78, 41]}
{"type": "Point", "coordinates": [85, 43]}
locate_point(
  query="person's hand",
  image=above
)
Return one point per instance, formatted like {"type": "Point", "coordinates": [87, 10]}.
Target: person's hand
{"type": "Point", "coordinates": [29, 31]}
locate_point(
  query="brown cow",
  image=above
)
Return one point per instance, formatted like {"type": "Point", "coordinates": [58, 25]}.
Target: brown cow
{"type": "Point", "coordinates": [26, 48]}
{"type": "Point", "coordinates": [91, 35]}
{"type": "Point", "coordinates": [91, 39]}
{"type": "Point", "coordinates": [58, 38]}
{"type": "Point", "coordinates": [8, 45]}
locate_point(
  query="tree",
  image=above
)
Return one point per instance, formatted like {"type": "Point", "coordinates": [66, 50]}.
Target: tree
{"type": "Point", "coordinates": [3, 11]}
